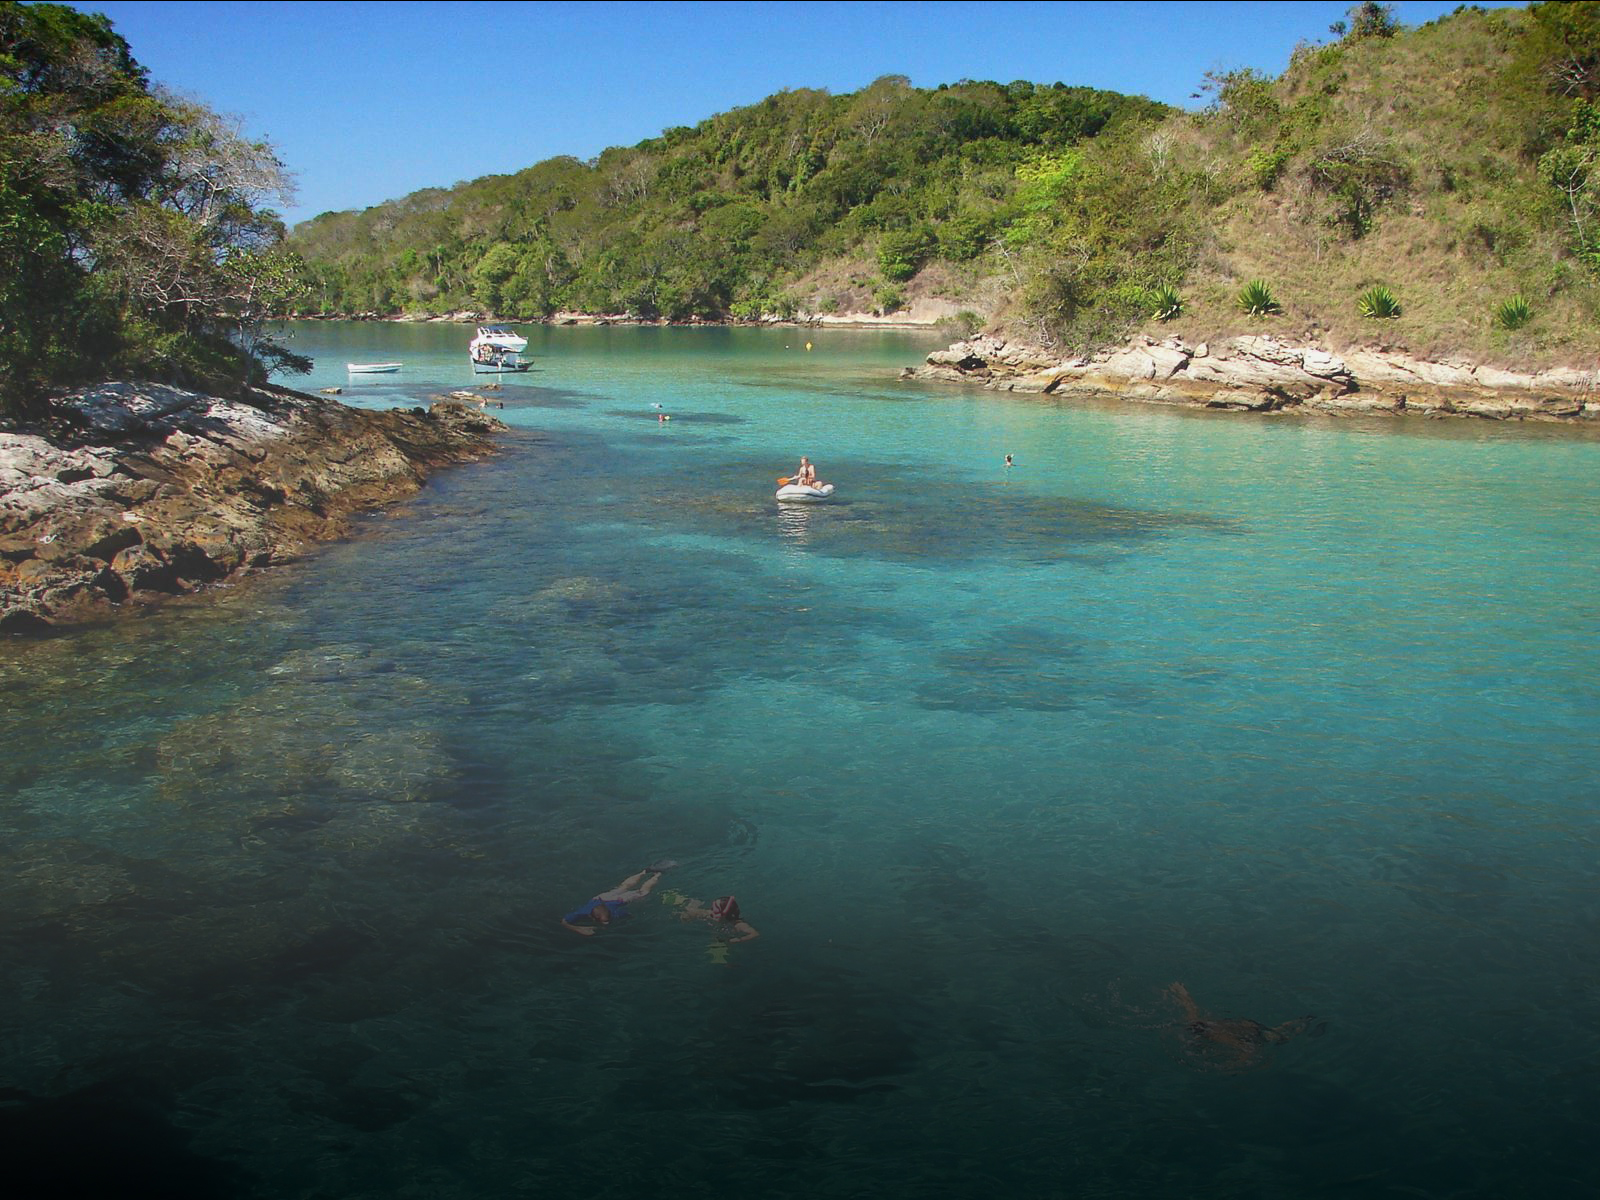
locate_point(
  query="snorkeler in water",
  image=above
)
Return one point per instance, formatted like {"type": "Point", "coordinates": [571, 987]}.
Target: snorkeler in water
{"type": "Point", "coordinates": [725, 916]}
{"type": "Point", "coordinates": [612, 905]}
{"type": "Point", "coordinates": [1229, 1043]}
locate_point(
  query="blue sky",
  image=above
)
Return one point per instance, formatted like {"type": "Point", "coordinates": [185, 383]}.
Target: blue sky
{"type": "Point", "coordinates": [368, 101]}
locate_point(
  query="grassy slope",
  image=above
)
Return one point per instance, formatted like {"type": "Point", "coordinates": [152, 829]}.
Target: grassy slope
{"type": "Point", "coordinates": [1470, 226]}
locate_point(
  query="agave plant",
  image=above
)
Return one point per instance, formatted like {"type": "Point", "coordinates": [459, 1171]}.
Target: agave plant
{"type": "Point", "coordinates": [1256, 298]}
{"type": "Point", "coordinates": [1514, 313]}
{"type": "Point", "coordinates": [1378, 303]}
{"type": "Point", "coordinates": [1165, 302]}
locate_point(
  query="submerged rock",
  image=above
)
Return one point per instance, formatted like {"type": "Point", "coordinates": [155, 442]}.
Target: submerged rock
{"type": "Point", "coordinates": [394, 765]}
{"type": "Point", "coordinates": [66, 882]}
{"type": "Point", "coordinates": [138, 492]}
{"type": "Point", "coordinates": [353, 733]}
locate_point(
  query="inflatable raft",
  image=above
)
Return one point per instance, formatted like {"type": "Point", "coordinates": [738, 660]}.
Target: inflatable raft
{"type": "Point", "coordinates": [804, 493]}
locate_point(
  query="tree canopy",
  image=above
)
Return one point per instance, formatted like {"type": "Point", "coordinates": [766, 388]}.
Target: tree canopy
{"type": "Point", "coordinates": [714, 220]}
{"type": "Point", "coordinates": [134, 232]}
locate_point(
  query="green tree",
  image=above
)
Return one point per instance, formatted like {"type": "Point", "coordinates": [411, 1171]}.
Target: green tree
{"type": "Point", "coordinates": [901, 253]}
{"type": "Point", "coordinates": [1246, 98]}
{"type": "Point", "coordinates": [1370, 19]}
{"type": "Point", "coordinates": [1563, 46]}
{"type": "Point", "coordinates": [1572, 168]}
{"type": "Point", "coordinates": [37, 276]}
{"type": "Point", "coordinates": [491, 272]}
{"type": "Point", "coordinates": [133, 222]}
{"type": "Point", "coordinates": [963, 238]}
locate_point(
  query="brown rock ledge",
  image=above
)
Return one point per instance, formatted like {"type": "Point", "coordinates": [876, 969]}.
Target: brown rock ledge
{"type": "Point", "coordinates": [130, 493]}
{"type": "Point", "coordinates": [1262, 374]}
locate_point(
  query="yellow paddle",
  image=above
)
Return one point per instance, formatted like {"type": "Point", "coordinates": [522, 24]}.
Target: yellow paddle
{"type": "Point", "coordinates": [783, 479]}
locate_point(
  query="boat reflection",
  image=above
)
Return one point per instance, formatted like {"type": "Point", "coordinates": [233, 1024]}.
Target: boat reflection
{"type": "Point", "coordinates": [794, 524]}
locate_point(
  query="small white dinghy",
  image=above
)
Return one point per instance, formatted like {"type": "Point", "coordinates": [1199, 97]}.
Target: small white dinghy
{"type": "Point", "coordinates": [804, 493]}
{"type": "Point", "coordinates": [371, 368]}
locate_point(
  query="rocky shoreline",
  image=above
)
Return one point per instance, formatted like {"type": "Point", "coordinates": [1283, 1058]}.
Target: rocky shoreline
{"type": "Point", "coordinates": [129, 494]}
{"type": "Point", "coordinates": [1262, 374]}
{"type": "Point", "coordinates": [925, 315]}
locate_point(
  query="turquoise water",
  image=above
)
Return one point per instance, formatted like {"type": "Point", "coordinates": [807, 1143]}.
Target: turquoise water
{"type": "Point", "coordinates": [1298, 713]}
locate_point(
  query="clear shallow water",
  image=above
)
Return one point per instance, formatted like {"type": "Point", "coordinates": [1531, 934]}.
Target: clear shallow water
{"type": "Point", "coordinates": [1298, 713]}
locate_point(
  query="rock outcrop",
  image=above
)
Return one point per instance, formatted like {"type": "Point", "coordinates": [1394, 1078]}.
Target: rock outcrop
{"type": "Point", "coordinates": [1263, 374]}
{"type": "Point", "coordinates": [132, 493]}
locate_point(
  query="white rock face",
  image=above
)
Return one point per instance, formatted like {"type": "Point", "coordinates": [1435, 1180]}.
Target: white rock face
{"type": "Point", "coordinates": [1259, 372]}
{"type": "Point", "coordinates": [1326, 366]}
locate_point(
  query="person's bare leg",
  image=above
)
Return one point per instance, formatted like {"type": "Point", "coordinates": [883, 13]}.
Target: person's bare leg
{"type": "Point", "coordinates": [626, 890]}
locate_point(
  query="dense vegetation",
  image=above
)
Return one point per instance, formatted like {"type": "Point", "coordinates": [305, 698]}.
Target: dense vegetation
{"type": "Point", "coordinates": [728, 216]}
{"type": "Point", "coordinates": [132, 234]}
{"type": "Point", "coordinates": [1452, 166]}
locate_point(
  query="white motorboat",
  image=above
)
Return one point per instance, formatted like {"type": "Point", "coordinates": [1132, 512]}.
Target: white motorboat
{"type": "Point", "coordinates": [495, 350]}
{"type": "Point", "coordinates": [500, 337]}
{"type": "Point", "coordinates": [804, 493]}
{"type": "Point", "coordinates": [491, 360]}
{"type": "Point", "coordinates": [372, 368]}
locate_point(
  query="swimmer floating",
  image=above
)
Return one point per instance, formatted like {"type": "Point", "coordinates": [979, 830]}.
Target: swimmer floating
{"type": "Point", "coordinates": [1229, 1043]}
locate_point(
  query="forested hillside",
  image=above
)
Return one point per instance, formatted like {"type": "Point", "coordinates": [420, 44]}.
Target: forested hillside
{"type": "Point", "coordinates": [723, 218]}
{"type": "Point", "coordinates": [1429, 187]}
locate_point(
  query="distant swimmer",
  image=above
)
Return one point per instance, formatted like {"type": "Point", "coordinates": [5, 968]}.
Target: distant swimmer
{"type": "Point", "coordinates": [1229, 1043]}
{"type": "Point", "coordinates": [1008, 462]}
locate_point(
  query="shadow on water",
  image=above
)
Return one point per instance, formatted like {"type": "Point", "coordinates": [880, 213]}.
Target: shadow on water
{"type": "Point", "coordinates": [109, 1139]}
{"type": "Point", "coordinates": [622, 619]}
{"type": "Point", "coordinates": [605, 640]}
{"type": "Point", "coordinates": [886, 512]}
{"type": "Point", "coordinates": [1020, 667]}
{"type": "Point", "coordinates": [812, 1035]}
{"type": "Point", "coordinates": [943, 879]}
{"type": "Point", "coordinates": [678, 416]}
{"type": "Point", "coordinates": [867, 386]}
{"type": "Point", "coordinates": [535, 396]}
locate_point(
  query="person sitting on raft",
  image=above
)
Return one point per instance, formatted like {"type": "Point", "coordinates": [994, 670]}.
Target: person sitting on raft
{"type": "Point", "coordinates": [613, 905]}
{"type": "Point", "coordinates": [724, 912]}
